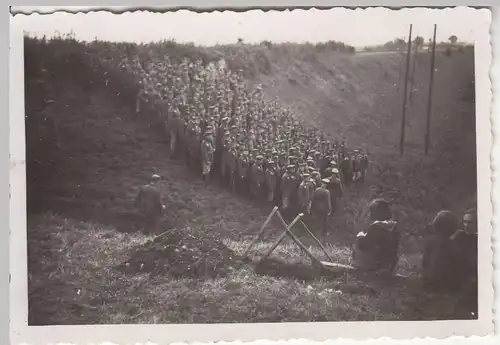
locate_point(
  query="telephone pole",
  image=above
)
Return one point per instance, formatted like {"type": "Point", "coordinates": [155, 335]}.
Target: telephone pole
{"type": "Point", "coordinates": [403, 117]}
{"type": "Point", "coordinates": [429, 102]}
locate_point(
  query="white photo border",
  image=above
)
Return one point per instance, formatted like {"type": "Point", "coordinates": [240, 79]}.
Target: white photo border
{"type": "Point", "coordinates": [22, 333]}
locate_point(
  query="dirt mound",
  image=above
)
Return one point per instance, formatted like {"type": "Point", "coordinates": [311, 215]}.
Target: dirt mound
{"type": "Point", "coordinates": [187, 253]}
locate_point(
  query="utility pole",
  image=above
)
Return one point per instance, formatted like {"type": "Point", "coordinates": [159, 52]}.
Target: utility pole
{"type": "Point", "coordinates": [429, 102]}
{"type": "Point", "coordinates": [403, 117]}
{"type": "Point", "coordinates": [412, 74]}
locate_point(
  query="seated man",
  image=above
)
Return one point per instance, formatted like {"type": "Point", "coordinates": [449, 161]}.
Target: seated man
{"type": "Point", "coordinates": [376, 248]}
{"type": "Point", "coordinates": [439, 264]}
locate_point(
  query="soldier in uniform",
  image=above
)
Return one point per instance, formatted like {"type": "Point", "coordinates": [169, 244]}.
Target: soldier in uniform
{"type": "Point", "coordinates": [302, 170]}
{"type": "Point", "coordinates": [232, 163]}
{"type": "Point", "coordinates": [316, 178]}
{"type": "Point", "coordinates": [243, 167]}
{"type": "Point", "coordinates": [207, 154]}
{"type": "Point", "coordinates": [271, 173]}
{"type": "Point", "coordinates": [225, 155]}
{"type": "Point", "coordinates": [335, 189]}
{"type": "Point", "coordinates": [321, 205]}
{"type": "Point", "coordinates": [257, 175]}
{"type": "Point", "coordinates": [190, 137]}
{"type": "Point", "coordinates": [304, 197]}
{"type": "Point", "coordinates": [148, 202]}
{"type": "Point", "coordinates": [173, 126]}
{"type": "Point", "coordinates": [356, 172]}
{"type": "Point", "coordinates": [363, 166]}
{"type": "Point", "coordinates": [346, 170]}
{"type": "Point", "coordinates": [287, 186]}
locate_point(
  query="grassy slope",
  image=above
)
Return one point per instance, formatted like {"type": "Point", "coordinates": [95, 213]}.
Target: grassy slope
{"type": "Point", "coordinates": [94, 213]}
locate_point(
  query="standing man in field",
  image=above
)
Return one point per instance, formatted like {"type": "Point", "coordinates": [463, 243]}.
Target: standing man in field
{"type": "Point", "coordinates": [287, 186]}
{"type": "Point", "coordinates": [304, 197]}
{"type": "Point", "coordinates": [270, 173]}
{"type": "Point", "coordinates": [321, 205]}
{"type": "Point", "coordinates": [148, 202]}
{"type": "Point", "coordinates": [207, 154]}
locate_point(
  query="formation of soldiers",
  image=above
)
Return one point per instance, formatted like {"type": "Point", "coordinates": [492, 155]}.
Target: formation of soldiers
{"type": "Point", "coordinates": [255, 147]}
{"type": "Point", "coordinates": [226, 131]}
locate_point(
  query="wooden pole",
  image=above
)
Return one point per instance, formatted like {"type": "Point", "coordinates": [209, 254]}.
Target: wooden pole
{"type": "Point", "coordinates": [403, 117]}
{"type": "Point", "coordinates": [283, 235]}
{"type": "Point", "coordinates": [317, 241]}
{"type": "Point", "coordinates": [412, 77]}
{"type": "Point", "coordinates": [271, 214]}
{"type": "Point", "coordinates": [298, 242]}
{"type": "Point", "coordinates": [400, 71]}
{"type": "Point", "coordinates": [429, 102]}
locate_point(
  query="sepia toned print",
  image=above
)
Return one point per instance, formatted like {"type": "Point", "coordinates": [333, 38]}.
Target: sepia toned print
{"type": "Point", "coordinates": [252, 179]}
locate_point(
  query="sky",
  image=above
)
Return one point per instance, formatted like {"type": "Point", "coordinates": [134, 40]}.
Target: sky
{"type": "Point", "coordinates": [354, 27]}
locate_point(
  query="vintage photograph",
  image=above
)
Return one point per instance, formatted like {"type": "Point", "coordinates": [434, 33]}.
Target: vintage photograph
{"type": "Point", "coordinates": [252, 167]}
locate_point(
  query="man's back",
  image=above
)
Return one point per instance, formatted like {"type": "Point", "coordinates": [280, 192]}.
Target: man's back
{"type": "Point", "coordinates": [379, 244]}
{"type": "Point", "coordinates": [466, 254]}
{"type": "Point", "coordinates": [438, 263]}
{"type": "Point", "coordinates": [149, 200]}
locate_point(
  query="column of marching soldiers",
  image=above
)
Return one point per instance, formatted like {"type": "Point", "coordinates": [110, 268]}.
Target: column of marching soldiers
{"type": "Point", "coordinates": [256, 147]}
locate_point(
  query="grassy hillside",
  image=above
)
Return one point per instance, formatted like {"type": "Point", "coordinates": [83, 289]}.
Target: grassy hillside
{"type": "Point", "coordinates": [82, 226]}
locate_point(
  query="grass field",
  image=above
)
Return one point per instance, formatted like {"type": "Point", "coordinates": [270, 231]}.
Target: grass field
{"type": "Point", "coordinates": [90, 261]}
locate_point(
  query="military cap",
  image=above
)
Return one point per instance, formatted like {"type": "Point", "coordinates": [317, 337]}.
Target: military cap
{"type": "Point", "coordinates": [274, 152]}
{"type": "Point", "coordinates": [325, 181]}
{"type": "Point", "coordinates": [155, 177]}
{"type": "Point", "coordinates": [291, 166]}
{"type": "Point", "coordinates": [234, 127]}
{"type": "Point", "coordinates": [208, 132]}
{"type": "Point", "coordinates": [335, 170]}
{"type": "Point", "coordinates": [333, 163]}
{"type": "Point", "coordinates": [305, 175]}
{"type": "Point", "coordinates": [259, 157]}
